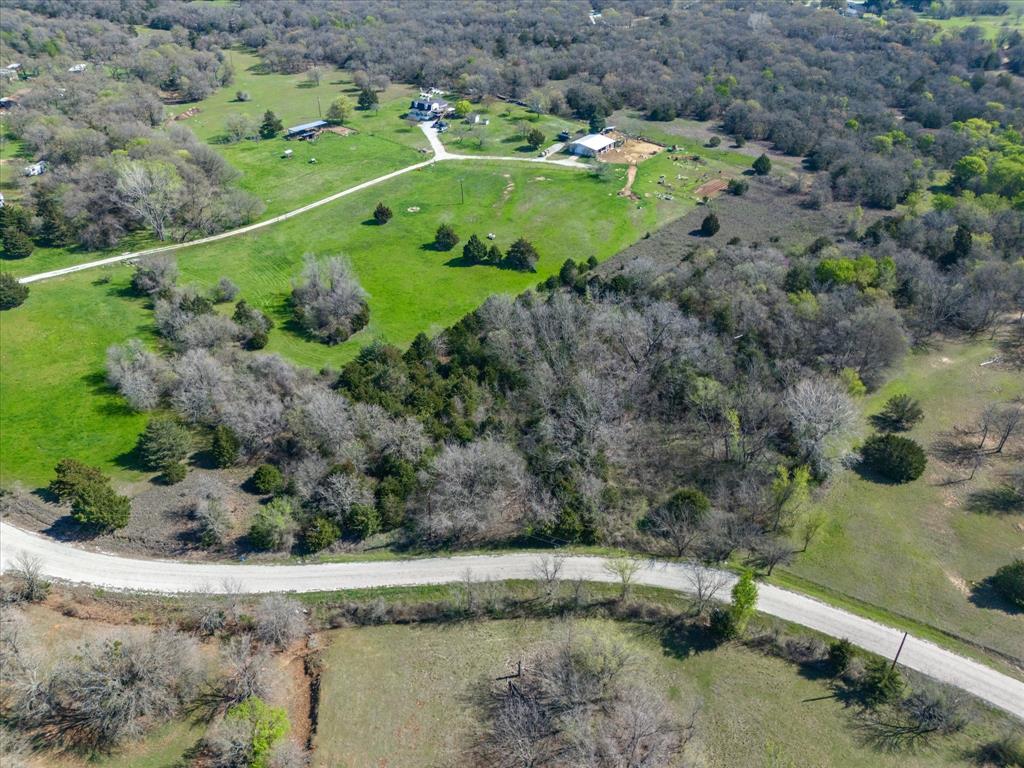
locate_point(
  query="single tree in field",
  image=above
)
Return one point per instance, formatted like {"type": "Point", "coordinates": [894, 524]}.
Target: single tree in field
{"type": "Point", "coordinates": [535, 137]}
{"type": "Point", "coordinates": [367, 99]}
{"type": "Point", "coordinates": [710, 225]}
{"type": "Point", "coordinates": [744, 602]}
{"type": "Point", "coordinates": [382, 214]}
{"type": "Point", "coordinates": [462, 107]}
{"type": "Point", "coordinates": [898, 459]}
{"type": "Point", "coordinates": [762, 166]}
{"type": "Point", "coordinates": [271, 125]}
{"type": "Point", "coordinates": [474, 251]}
{"type": "Point", "coordinates": [1008, 581]}
{"type": "Point", "coordinates": [445, 239]}
{"type": "Point", "coordinates": [900, 413]}
{"type": "Point", "coordinates": [339, 111]}
{"type": "Point", "coordinates": [522, 256]}
{"type": "Point", "coordinates": [12, 293]}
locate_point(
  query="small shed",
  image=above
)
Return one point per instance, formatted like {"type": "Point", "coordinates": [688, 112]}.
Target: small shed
{"type": "Point", "coordinates": [36, 169]}
{"type": "Point", "coordinates": [78, 68]}
{"type": "Point", "coordinates": [591, 145]}
{"type": "Point", "coordinates": [306, 130]}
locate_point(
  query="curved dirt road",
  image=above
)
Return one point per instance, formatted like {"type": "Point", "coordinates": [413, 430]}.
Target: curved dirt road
{"type": "Point", "coordinates": [64, 561]}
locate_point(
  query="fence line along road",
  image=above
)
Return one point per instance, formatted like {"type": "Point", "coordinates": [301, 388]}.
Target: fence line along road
{"type": "Point", "coordinates": [440, 155]}
{"type": "Point", "coordinates": [60, 560]}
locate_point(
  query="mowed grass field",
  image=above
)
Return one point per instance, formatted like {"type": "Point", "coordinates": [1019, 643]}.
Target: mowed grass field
{"type": "Point", "coordinates": [52, 349]}
{"type": "Point", "coordinates": [991, 26]}
{"type": "Point", "coordinates": [401, 696]}
{"type": "Point", "coordinates": [506, 133]}
{"type": "Point", "coordinates": [916, 549]}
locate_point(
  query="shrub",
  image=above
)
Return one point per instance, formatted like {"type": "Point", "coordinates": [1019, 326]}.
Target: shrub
{"type": "Point", "coordinates": [224, 447]}
{"type": "Point", "coordinates": [840, 654]}
{"type": "Point", "coordinates": [72, 476]}
{"type": "Point", "coordinates": [738, 187]}
{"type": "Point", "coordinates": [722, 624]}
{"type": "Point", "coordinates": [271, 125]}
{"type": "Point", "coordinates": [12, 293]}
{"type": "Point", "coordinates": [744, 601]}
{"type": "Point", "coordinates": [445, 239]}
{"type": "Point", "coordinates": [255, 326]}
{"type": "Point", "coordinates": [1008, 581]}
{"type": "Point", "coordinates": [535, 138]}
{"type": "Point", "coordinates": [522, 256]}
{"type": "Point", "coordinates": [174, 473]}
{"type": "Point", "coordinates": [900, 413]}
{"type": "Point", "coordinates": [363, 520]}
{"type": "Point", "coordinates": [273, 527]}
{"type": "Point", "coordinates": [710, 225]}
{"type": "Point", "coordinates": [154, 275]}
{"type": "Point", "coordinates": [855, 387]}
{"type": "Point", "coordinates": [714, 141]}
{"type": "Point", "coordinates": [320, 533]}
{"type": "Point", "coordinates": [164, 442]}
{"type": "Point", "coordinates": [214, 522]}
{"type": "Point", "coordinates": [225, 290]}
{"type": "Point", "coordinates": [382, 214]}
{"type": "Point", "coordinates": [264, 725]}
{"type": "Point", "coordinates": [329, 302]}
{"type": "Point", "coordinates": [267, 479]}
{"type": "Point", "coordinates": [762, 166]}
{"type": "Point", "coordinates": [1005, 752]}
{"type": "Point", "coordinates": [895, 458]}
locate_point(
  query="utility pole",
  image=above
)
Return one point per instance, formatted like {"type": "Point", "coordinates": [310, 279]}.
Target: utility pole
{"type": "Point", "coordinates": [898, 652]}
{"type": "Point", "coordinates": [462, 194]}
{"type": "Point", "coordinates": [318, 110]}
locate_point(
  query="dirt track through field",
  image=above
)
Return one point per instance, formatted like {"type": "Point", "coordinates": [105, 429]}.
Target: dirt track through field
{"type": "Point", "coordinates": [627, 190]}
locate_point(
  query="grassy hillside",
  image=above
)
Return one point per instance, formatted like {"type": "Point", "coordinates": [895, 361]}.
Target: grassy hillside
{"type": "Point", "coordinates": [400, 696]}
{"type": "Point", "coordinates": [916, 549]}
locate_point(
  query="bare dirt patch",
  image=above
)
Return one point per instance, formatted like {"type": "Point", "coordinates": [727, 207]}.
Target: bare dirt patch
{"type": "Point", "coordinates": [341, 130]}
{"type": "Point", "coordinates": [190, 112]}
{"type": "Point", "coordinates": [630, 151]}
{"type": "Point", "coordinates": [712, 188]}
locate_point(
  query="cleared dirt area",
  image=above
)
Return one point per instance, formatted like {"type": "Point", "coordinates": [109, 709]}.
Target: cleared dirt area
{"type": "Point", "coordinates": [341, 130]}
{"type": "Point", "coordinates": [713, 188]}
{"type": "Point", "coordinates": [630, 151]}
{"type": "Point", "coordinates": [627, 190]}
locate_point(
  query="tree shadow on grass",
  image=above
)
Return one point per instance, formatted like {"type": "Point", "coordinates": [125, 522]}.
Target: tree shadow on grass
{"type": "Point", "coordinates": [680, 638]}
{"type": "Point", "coordinates": [1001, 500]}
{"type": "Point", "coordinates": [865, 472]}
{"type": "Point", "coordinates": [984, 595]}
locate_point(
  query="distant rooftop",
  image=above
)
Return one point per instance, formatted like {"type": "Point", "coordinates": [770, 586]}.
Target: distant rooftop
{"type": "Point", "coordinates": [307, 126]}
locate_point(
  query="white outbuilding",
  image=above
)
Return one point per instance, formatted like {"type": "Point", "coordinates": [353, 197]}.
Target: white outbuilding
{"type": "Point", "coordinates": [591, 145]}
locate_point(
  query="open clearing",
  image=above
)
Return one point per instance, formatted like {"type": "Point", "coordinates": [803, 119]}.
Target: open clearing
{"type": "Point", "coordinates": [52, 349]}
{"type": "Point", "coordinates": [400, 696]}
{"type": "Point", "coordinates": [914, 548]}
{"type": "Point", "coordinates": [631, 150]}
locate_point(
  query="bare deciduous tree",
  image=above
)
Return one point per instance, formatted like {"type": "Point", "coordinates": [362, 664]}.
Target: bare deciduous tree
{"type": "Point", "coordinates": [705, 586]}
{"type": "Point", "coordinates": [149, 189]}
{"type": "Point", "coordinates": [821, 413]}
{"type": "Point", "coordinates": [625, 570]}
{"type": "Point", "coordinates": [279, 620]}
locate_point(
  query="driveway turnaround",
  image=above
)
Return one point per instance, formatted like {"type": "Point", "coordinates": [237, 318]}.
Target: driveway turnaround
{"type": "Point", "coordinates": [440, 154]}
{"type": "Point", "coordinates": [67, 562]}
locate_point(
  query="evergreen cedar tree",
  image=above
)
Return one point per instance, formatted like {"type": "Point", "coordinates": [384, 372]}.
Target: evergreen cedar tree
{"type": "Point", "coordinates": [93, 501]}
{"type": "Point", "coordinates": [367, 98]}
{"type": "Point", "coordinates": [710, 225]}
{"type": "Point", "coordinates": [225, 446]}
{"type": "Point", "coordinates": [445, 239]}
{"type": "Point", "coordinates": [12, 293]}
{"type": "Point", "coordinates": [474, 251]}
{"type": "Point", "coordinates": [900, 413]}
{"type": "Point", "coordinates": [535, 138]}
{"type": "Point", "coordinates": [382, 214]}
{"type": "Point", "coordinates": [1008, 581]}
{"type": "Point", "coordinates": [522, 256]}
{"type": "Point", "coordinates": [895, 458]}
{"type": "Point", "coordinates": [762, 166]}
{"type": "Point", "coordinates": [267, 479]}
{"type": "Point", "coordinates": [271, 125]}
